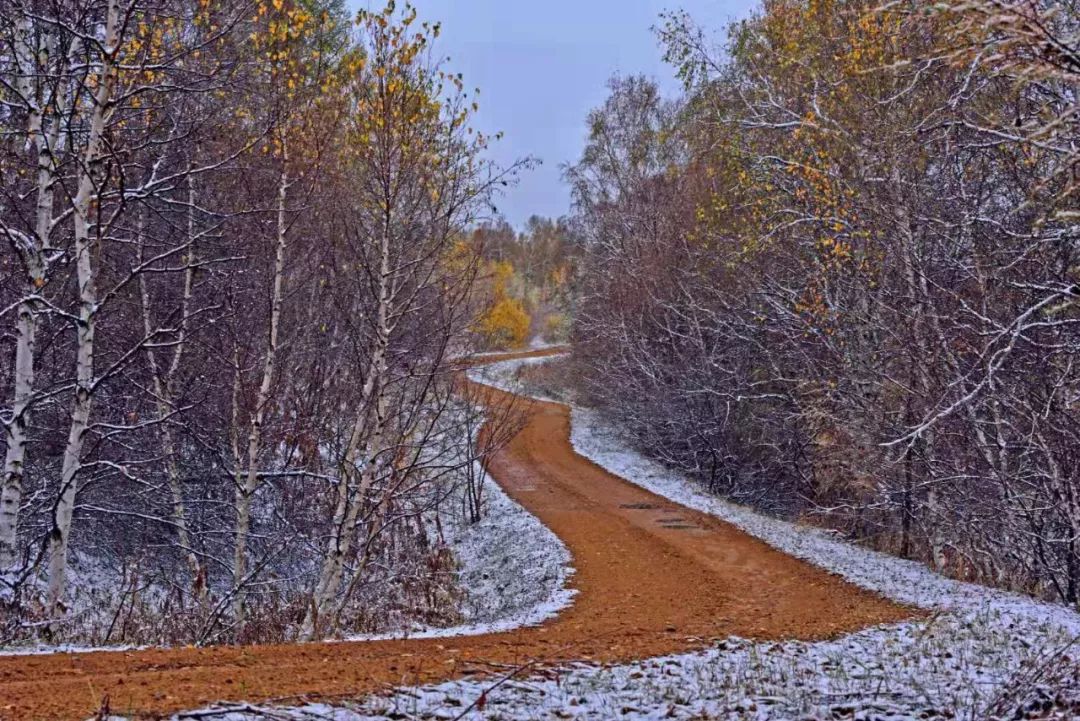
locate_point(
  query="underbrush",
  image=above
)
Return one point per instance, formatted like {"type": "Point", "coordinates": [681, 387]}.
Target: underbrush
{"type": "Point", "coordinates": [546, 378]}
{"type": "Point", "coordinates": [120, 603]}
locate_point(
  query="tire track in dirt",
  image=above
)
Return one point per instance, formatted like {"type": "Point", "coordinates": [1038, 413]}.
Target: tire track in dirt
{"type": "Point", "coordinates": [653, 578]}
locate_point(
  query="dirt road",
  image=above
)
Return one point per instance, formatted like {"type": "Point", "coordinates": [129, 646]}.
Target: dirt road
{"type": "Point", "coordinates": [653, 578]}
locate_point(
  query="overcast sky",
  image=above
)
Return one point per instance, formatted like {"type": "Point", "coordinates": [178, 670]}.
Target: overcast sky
{"type": "Point", "coordinates": [541, 65]}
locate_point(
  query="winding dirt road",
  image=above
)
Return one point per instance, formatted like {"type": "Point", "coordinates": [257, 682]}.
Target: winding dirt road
{"type": "Point", "coordinates": [653, 578]}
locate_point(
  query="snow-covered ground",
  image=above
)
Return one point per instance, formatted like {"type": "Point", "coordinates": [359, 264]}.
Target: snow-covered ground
{"type": "Point", "coordinates": [982, 654]}
{"type": "Point", "coordinates": [101, 583]}
{"type": "Point", "coordinates": [504, 375]}
{"type": "Point", "coordinates": [538, 343]}
{"type": "Point", "coordinates": [514, 570]}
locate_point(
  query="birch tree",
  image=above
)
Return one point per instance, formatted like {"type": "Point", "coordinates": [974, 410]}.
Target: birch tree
{"type": "Point", "coordinates": [416, 165]}
{"type": "Point", "coordinates": [36, 85]}
{"type": "Point", "coordinates": [294, 47]}
{"type": "Point", "coordinates": [241, 229]}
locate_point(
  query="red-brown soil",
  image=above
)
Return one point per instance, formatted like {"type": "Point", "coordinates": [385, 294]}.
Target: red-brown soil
{"type": "Point", "coordinates": [648, 585]}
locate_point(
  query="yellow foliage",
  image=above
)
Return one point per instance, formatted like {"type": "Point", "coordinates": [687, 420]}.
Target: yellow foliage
{"type": "Point", "coordinates": [501, 274]}
{"type": "Point", "coordinates": [458, 258]}
{"type": "Point", "coordinates": [506, 324]}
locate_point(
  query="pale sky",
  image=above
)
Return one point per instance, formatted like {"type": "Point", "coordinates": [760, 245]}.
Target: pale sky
{"type": "Point", "coordinates": [541, 65]}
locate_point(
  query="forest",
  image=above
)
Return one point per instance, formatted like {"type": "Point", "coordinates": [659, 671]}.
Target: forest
{"type": "Point", "coordinates": [780, 420]}
{"type": "Point", "coordinates": [837, 279]}
{"type": "Point", "coordinates": [237, 268]}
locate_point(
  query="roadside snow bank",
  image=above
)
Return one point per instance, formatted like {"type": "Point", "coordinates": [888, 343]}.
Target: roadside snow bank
{"type": "Point", "coordinates": [514, 570]}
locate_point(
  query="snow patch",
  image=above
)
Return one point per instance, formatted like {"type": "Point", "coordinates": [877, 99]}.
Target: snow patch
{"type": "Point", "coordinates": [504, 375]}
{"type": "Point", "coordinates": [514, 569]}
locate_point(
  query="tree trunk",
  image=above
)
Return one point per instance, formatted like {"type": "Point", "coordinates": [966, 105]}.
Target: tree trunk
{"type": "Point", "coordinates": [85, 272]}
{"type": "Point", "coordinates": [164, 387]}
{"type": "Point", "coordinates": [249, 484]}
{"type": "Point", "coordinates": [11, 486]}
{"type": "Point", "coordinates": [348, 508]}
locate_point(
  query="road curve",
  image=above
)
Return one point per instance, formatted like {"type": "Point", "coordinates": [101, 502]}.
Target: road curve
{"type": "Point", "coordinates": [652, 577]}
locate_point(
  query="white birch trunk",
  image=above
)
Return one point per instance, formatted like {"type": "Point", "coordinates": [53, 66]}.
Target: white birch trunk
{"type": "Point", "coordinates": [44, 142]}
{"type": "Point", "coordinates": [85, 273]}
{"type": "Point", "coordinates": [343, 528]}
{"type": "Point", "coordinates": [347, 509]}
{"type": "Point", "coordinates": [249, 483]}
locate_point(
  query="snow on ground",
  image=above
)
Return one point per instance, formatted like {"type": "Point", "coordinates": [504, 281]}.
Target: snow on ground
{"type": "Point", "coordinates": [954, 665]}
{"type": "Point", "coordinates": [538, 343]}
{"type": "Point", "coordinates": [504, 375]}
{"type": "Point", "coordinates": [514, 570]}
{"type": "Point", "coordinates": [101, 584]}
{"type": "Point", "coordinates": [541, 343]}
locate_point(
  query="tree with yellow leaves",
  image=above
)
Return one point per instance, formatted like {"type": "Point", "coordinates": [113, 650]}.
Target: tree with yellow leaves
{"type": "Point", "coordinates": [417, 176]}
{"type": "Point", "coordinates": [295, 44]}
{"type": "Point", "coordinates": [505, 324]}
